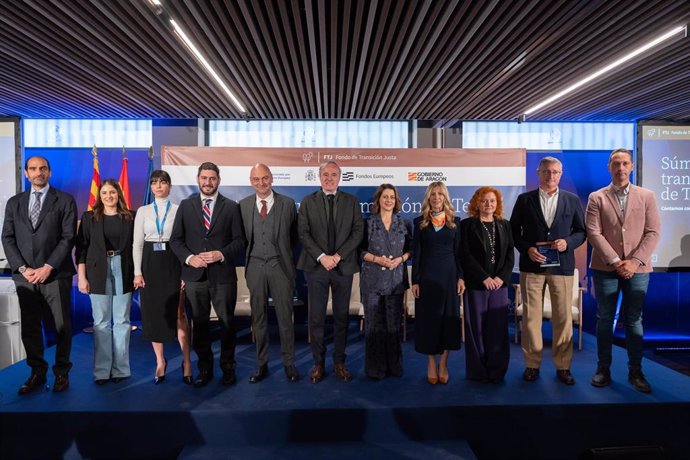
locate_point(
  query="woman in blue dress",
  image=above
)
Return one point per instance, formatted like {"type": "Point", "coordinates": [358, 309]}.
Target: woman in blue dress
{"type": "Point", "coordinates": [437, 281]}
{"type": "Point", "coordinates": [385, 249]}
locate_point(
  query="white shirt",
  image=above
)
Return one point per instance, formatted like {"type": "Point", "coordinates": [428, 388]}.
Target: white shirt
{"type": "Point", "coordinates": [145, 228]}
{"type": "Point", "coordinates": [32, 196]}
{"type": "Point", "coordinates": [270, 199]}
{"type": "Point", "coordinates": [212, 204]}
{"type": "Point", "coordinates": [548, 205]}
{"type": "Point", "coordinates": [622, 195]}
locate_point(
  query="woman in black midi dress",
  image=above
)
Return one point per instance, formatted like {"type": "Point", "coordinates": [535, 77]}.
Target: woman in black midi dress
{"type": "Point", "coordinates": [437, 281]}
{"type": "Point", "coordinates": [157, 276]}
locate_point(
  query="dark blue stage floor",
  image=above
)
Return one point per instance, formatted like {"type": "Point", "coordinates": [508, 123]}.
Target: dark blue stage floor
{"type": "Point", "coordinates": [394, 418]}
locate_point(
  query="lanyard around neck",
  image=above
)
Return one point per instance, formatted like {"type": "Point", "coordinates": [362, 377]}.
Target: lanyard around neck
{"type": "Point", "coordinates": [161, 225]}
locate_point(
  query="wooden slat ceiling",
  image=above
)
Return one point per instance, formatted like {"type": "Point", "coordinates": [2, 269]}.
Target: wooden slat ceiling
{"type": "Point", "coordinates": [342, 59]}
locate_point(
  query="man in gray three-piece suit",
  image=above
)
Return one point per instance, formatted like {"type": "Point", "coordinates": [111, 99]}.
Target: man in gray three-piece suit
{"type": "Point", "coordinates": [330, 228]}
{"type": "Point", "coordinates": [270, 227]}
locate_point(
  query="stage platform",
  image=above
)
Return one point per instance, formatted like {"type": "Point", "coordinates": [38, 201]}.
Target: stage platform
{"type": "Point", "coordinates": [391, 419]}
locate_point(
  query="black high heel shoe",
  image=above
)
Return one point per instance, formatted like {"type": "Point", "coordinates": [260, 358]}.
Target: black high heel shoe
{"type": "Point", "coordinates": [187, 379]}
{"type": "Point", "coordinates": [160, 379]}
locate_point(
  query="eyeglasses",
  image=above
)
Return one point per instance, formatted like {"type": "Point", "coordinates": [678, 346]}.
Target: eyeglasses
{"type": "Point", "coordinates": [548, 172]}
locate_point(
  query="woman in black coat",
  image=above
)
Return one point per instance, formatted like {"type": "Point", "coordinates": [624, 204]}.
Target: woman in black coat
{"type": "Point", "coordinates": [487, 255]}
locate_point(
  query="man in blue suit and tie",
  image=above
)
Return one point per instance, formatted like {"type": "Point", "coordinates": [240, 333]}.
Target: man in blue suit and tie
{"type": "Point", "coordinates": [207, 236]}
{"type": "Point", "coordinates": [547, 214]}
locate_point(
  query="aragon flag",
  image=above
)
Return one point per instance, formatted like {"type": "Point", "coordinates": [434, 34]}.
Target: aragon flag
{"type": "Point", "coordinates": [95, 180]}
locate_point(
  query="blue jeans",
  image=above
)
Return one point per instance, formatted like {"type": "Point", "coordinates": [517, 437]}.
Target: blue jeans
{"type": "Point", "coordinates": [111, 342]}
{"type": "Point", "coordinates": [607, 287]}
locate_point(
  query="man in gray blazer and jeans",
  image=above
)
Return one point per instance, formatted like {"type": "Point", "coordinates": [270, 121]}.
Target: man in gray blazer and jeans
{"type": "Point", "coordinates": [330, 228]}
{"type": "Point", "coordinates": [270, 226]}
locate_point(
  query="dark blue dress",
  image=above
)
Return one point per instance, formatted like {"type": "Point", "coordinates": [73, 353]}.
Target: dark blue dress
{"type": "Point", "coordinates": [436, 268]}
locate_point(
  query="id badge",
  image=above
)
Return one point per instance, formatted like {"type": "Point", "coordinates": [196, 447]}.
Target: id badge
{"type": "Point", "coordinates": [159, 246]}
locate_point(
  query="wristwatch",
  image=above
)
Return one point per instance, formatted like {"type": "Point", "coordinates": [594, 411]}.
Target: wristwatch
{"type": "Point", "coordinates": [22, 269]}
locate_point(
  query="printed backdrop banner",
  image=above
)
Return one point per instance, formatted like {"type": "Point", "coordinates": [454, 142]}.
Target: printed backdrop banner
{"type": "Point", "coordinates": [296, 172]}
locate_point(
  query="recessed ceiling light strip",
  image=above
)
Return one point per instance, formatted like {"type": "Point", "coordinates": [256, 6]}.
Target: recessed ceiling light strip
{"type": "Point", "coordinates": [607, 68]}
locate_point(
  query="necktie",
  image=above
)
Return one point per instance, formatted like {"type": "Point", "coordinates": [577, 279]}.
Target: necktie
{"type": "Point", "coordinates": [35, 209]}
{"type": "Point", "coordinates": [264, 210]}
{"type": "Point", "coordinates": [331, 225]}
{"type": "Point", "coordinates": [207, 213]}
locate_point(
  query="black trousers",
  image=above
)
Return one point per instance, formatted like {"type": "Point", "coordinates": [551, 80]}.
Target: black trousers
{"type": "Point", "coordinates": [318, 283]}
{"type": "Point", "coordinates": [224, 296]}
{"type": "Point", "coordinates": [46, 302]}
{"type": "Point", "coordinates": [383, 350]}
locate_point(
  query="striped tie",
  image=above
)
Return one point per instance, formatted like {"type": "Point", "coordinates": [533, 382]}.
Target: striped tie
{"type": "Point", "coordinates": [207, 213]}
{"type": "Point", "coordinates": [35, 209]}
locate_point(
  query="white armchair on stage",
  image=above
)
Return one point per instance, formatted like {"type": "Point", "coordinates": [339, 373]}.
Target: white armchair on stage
{"type": "Point", "coordinates": [11, 346]}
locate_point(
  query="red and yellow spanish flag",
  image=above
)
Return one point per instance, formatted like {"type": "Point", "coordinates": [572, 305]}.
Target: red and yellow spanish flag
{"type": "Point", "coordinates": [95, 180]}
{"type": "Point", "coordinates": [124, 179]}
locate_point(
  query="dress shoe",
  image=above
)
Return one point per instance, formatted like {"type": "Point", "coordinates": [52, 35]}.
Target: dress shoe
{"type": "Point", "coordinates": [100, 382]}
{"type": "Point", "coordinates": [61, 383]}
{"type": "Point", "coordinates": [432, 373]}
{"type": "Point", "coordinates": [317, 373]}
{"type": "Point", "coordinates": [342, 373]}
{"type": "Point", "coordinates": [33, 383]}
{"type": "Point", "coordinates": [118, 379]}
{"type": "Point", "coordinates": [397, 372]}
{"type": "Point", "coordinates": [158, 379]}
{"type": "Point", "coordinates": [203, 378]}
{"type": "Point", "coordinates": [229, 378]}
{"type": "Point", "coordinates": [602, 377]}
{"type": "Point", "coordinates": [443, 375]}
{"type": "Point", "coordinates": [565, 376]}
{"type": "Point", "coordinates": [531, 374]}
{"type": "Point", "coordinates": [187, 379]}
{"type": "Point", "coordinates": [636, 378]}
{"type": "Point", "coordinates": [291, 373]}
{"type": "Point", "coordinates": [259, 375]}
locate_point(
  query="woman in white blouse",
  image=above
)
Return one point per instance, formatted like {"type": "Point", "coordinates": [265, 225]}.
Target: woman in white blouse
{"type": "Point", "coordinates": [157, 276]}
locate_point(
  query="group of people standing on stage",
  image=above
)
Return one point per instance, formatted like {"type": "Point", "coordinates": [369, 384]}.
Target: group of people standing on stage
{"type": "Point", "coordinates": [170, 252]}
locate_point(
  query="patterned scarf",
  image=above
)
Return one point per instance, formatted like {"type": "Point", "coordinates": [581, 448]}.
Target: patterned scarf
{"type": "Point", "coordinates": [438, 219]}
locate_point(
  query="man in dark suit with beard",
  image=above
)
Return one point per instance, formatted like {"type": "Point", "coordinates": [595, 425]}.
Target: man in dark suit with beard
{"type": "Point", "coordinates": [330, 228]}
{"type": "Point", "coordinates": [38, 237]}
{"type": "Point", "coordinates": [270, 224]}
{"type": "Point", "coordinates": [207, 236]}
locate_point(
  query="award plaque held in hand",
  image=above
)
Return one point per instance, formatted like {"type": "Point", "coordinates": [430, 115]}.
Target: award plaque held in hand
{"type": "Point", "coordinates": [552, 257]}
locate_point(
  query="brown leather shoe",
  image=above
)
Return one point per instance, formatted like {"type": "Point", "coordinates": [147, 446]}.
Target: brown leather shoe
{"type": "Point", "coordinates": [33, 383]}
{"type": "Point", "coordinates": [61, 383]}
{"type": "Point", "coordinates": [565, 376]}
{"type": "Point", "coordinates": [342, 373]}
{"type": "Point", "coordinates": [531, 374]}
{"type": "Point", "coordinates": [317, 373]}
